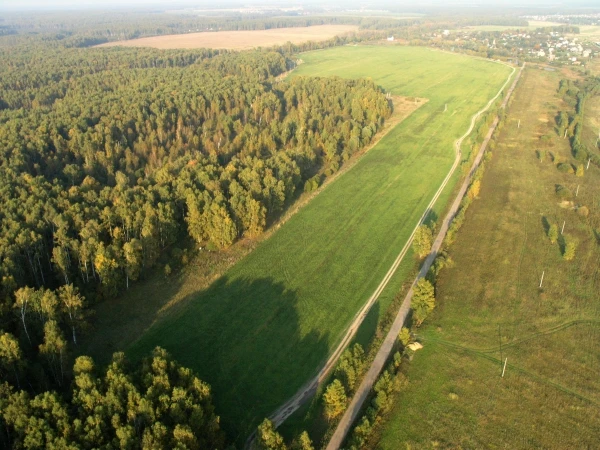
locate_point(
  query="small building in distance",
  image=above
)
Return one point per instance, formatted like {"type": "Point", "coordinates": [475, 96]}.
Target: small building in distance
{"type": "Point", "coordinates": [391, 38]}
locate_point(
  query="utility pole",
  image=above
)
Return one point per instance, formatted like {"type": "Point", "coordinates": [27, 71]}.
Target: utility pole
{"type": "Point", "coordinates": [577, 191]}
{"type": "Point", "coordinates": [563, 227]}
{"type": "Point", "coordinates": [504, 368]}
{"type": "Point", "coordinates": [519, 124]}
{"type": "Point", "coordinates": [588, 164]}
{"type": "Point", "coordinates": [542, 280]}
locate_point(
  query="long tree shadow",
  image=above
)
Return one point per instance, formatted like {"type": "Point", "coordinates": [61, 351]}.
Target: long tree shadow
{"type": "Point", "coordinates": [244, 338]}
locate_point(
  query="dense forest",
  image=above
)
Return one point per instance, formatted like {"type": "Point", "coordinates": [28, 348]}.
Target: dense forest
{"type": "Point", "coordinates": [110, 158]}
{"type": "Point", "coordinates": [159, 405]}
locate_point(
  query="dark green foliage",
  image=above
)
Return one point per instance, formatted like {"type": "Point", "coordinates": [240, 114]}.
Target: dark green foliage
{"type": "Point", "coordinates": [351, 366]}
{"type": "Point", "coordinates": [267, 438]}
{"type": "Point", "coordinates": [112, 156]}
{"type": "Point", "coordinates": [575, 94]}
{"type": "Point", "coordinates": [158, 405]}
{"type": "Point", "coordinates": [565, 168]}
{"type": "Point", "coordinates": [563, 192]}
{"type": "Point", "coordinates": [423, 300]}
{"type": "Point", "coordinates": [104, 166]}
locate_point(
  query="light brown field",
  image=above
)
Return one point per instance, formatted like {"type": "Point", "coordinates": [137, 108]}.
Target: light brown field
{"type": "Point", "coordinates": [239, 40]}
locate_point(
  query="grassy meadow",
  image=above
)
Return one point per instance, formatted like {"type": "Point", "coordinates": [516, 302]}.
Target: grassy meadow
{"type": "Point", "coordinates": [590, 135]}
{"type": "Point", "coordinates": [259, 332]}
{"type": "Point", "coordinates": [490, 305]}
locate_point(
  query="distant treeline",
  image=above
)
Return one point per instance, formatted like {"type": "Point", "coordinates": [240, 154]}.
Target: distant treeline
{"type": "Point", "coordinates": [84, 30]}
{"type": "Point", "coordinates": [559, 29]}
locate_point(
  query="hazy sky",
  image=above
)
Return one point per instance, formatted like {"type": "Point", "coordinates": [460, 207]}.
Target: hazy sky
{"type": "Point", "coordinates": [168, 4]}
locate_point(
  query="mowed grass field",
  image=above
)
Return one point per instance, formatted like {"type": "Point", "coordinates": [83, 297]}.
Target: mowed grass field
{"type": "Point", "coordinates": [239, 40]}
{"type": "Point", "coordinates": [550, 395]}
{"type": "Point", "coordinates": [264, 328]}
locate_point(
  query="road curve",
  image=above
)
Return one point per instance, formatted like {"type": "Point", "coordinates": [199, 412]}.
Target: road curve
{"type": "Point", "coordinates": [384, 352]}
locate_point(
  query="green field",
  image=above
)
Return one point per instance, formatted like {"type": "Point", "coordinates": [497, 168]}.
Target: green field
{"type": "Point", "coordinates": [257, 334]}
{"type": "Point", "coordinates": [550, 394]}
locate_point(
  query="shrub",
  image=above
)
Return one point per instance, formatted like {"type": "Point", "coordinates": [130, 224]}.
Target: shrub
{"type": "Point", "coordinates": [404, 336]}
{"type": "Point", "coordinates": [473, 191]}
{"type": "Point", "coordinates": [583, 211]}
{"type": "Point", "coordinates": [553, 233]}
{"type": "Point", "coordinates": [562, 192]}
{"type": "Point", "coordinates": [565, 168]}
{"type": "Point", "coordinates": [570, 247]}
{"type": "Point", "coordinates": [423, 241]}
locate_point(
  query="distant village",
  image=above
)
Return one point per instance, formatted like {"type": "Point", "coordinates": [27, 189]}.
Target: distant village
{"type": "Point", "coordinates": [557, 47]}
{"type": "Point", "coordinates": [554, 48]}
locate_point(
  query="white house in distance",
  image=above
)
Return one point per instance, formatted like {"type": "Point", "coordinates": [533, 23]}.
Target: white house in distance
{"type": "Point", "coordinates": [391, 38]}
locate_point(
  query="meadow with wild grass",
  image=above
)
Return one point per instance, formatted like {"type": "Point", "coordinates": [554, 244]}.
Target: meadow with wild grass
{"type": "Point", "coordinates": [491, 308]}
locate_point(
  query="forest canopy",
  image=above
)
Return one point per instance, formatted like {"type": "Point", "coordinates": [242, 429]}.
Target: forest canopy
{"type": "Point", "coordinates": [108, 158]}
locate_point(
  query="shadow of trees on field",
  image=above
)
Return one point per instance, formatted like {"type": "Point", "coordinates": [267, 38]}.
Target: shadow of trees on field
{"type": "Point", "coordinates": [545, 224]}
{"type": "Point", "coordinates": [431, 217]}
{"type": "Point", "coordinates": [366, 331]}
{"type": "Point", "coordinates": [243, 337]}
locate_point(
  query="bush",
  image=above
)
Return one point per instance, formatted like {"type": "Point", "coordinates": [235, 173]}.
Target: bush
{"type": "Point", "coordinates": [565, 168]}
{"type": "Point", "coordinates": [312, 184]}
{"type": "Point", "coordinates": [541, 154]}
{"type": "Point", "coordinates": [562, 192]}
{"type": "Point", "coordinates": [553, 233]}
{"type": "Point", "coordinates": [404, 336]}
{"type": "Point", "coordinates": [583, 211]}
{"type": "Point", "coordinates": [423, 241]}
{"type": "Point", "coordinates": [570, 247]}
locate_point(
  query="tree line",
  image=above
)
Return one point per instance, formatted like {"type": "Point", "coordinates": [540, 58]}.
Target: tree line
{"type": "Point", "coordinates": [102, 171]}
{"type": "Point", "coordinates": [112, 156]}
{"type": "Point", "coordinates": [157, 405]}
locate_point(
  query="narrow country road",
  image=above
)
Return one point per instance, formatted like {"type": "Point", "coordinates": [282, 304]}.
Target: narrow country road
{"type": "Point", "coordinates": [384, 352]}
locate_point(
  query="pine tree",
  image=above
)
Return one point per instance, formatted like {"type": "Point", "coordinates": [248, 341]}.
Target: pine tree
{"type": "Point", "coordinates": [423, 300]}
{"type": "Point", "coordinates": [334, 399]}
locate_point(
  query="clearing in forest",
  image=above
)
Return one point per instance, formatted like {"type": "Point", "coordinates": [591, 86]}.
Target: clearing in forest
{"type": "Point", "coordinates": [263, 329]}
{"type": "Point", "coordinates": [239, 40]}
{"type": "Point", "coordinates": [490, 306]}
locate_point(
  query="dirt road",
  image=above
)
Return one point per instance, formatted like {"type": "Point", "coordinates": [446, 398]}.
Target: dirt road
{"type": "Point", "coordinates": [384, 352]}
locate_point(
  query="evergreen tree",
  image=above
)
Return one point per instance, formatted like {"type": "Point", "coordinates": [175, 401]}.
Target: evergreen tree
{"type": "Point", "coordinates": [423, 300]}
